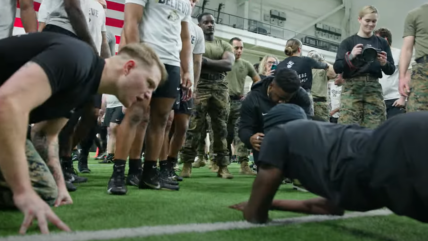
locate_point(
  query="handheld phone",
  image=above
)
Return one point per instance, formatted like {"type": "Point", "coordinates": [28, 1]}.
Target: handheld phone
{"type": "Point", "coordinates": [273, 67]}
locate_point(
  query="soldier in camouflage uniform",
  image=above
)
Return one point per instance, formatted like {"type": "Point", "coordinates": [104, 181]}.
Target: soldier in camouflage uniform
{"type": "Point", "coordinates": [236, 81]}
{"type": "Point", "coordinates": [211, 97]}
{"type": "Point", "coordinates": [202, 156]}
{"type": "Point", "coordinates": [415, 29]}
{"type": "Point", "coordinates": [41, 178]}
{"type": "Point", "coordinates": [319, 86]}
{"type": "Point", "coordinates": [362, 98]}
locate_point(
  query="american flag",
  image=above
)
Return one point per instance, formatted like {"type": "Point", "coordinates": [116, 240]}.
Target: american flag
{"type": "Point", "coordinates": [114, 19]}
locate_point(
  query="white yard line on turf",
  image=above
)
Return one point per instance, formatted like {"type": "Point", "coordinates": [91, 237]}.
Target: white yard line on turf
{"type": "Point", "coordinates": [147, 231]}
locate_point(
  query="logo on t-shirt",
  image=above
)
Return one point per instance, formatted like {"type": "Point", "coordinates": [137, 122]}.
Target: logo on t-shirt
{"type": "Point", "coordinates": [182, 6]}
{"type": "Point", "coordinates": [192, 39]}
{"type": "Point", "coordinates": [290, 64]}
{"type": "Point", "coordinates": [173, 16]}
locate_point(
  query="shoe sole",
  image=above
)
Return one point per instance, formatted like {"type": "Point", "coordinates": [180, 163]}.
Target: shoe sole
{"type": "Point", "coordinates": [145, 186]}
{"type": "Point", "coordinates": [117, 193]}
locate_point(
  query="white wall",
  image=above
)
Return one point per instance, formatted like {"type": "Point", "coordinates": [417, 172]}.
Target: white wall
{"type": "Point", "coordinates": [392, 14]}
{"type": "Point", "coordinates": [298, 14]}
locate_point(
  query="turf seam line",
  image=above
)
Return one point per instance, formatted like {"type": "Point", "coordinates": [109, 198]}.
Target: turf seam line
{"type": "Point", "coordinates": [147, 231]}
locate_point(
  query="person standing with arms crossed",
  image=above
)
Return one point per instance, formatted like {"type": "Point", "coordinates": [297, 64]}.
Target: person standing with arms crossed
{"type": "Point", "coordinates": [212, 97]}
{"type": "Point", "coordinates": [415, 35]}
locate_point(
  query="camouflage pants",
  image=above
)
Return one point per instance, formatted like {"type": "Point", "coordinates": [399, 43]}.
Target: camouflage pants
{"type": "Point", "coordinates": [205, 130]}
{"type": "Point", "coordinates": [311, 109]}
{"type": "Point", "coordinates": [41, 178]}
{"type": "Point", "coordinates": [232, 129]}
{"type": "Point", "coordinates": [215, 102]}
{"type": "Point", "coordinates": [418, 98]}
{"type": "Point", "coordinates": [361, 102]}
{"type": "Point", "coordinates": [321, 110]}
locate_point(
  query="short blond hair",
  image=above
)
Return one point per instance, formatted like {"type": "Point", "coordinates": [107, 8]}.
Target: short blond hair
{"type": "Point", "coordinates": [146, 55]}
{"type": "Point", "coordinates": [367, 10]}
{"type": "Point", "coordinates": [262, 64]}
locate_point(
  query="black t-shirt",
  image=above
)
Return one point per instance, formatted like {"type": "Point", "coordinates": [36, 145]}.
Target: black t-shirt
{"type": "Point", "coordinates": [73, 69]}
{"type": "Point", "coordinates": [303, 66]}
{"type": "Point", "coordinates": [328, 159]}
{"type": "Point", "coordinates": [360, 67]}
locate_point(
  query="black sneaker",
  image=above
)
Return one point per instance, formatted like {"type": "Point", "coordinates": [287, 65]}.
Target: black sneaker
{"type": "Point", "coordinates": [165, 174]}
{"type": "Point", "coordinates": [70, 175]}
{"type": "Point", "coordinates": [133, 179]}
{"type": "Point", "coordinates": [101, 157]}
{"type": "Point", "coordinates": [75, 155]}
{"type": "Point", "coordinates": [70, 187]}
{"type": "Point", "coordinates": [82, 166]}
{"type": "Point", "coordinates": [116, 184]}
{"type": "Point", "coordinates": [153, 180]}
{"type": "Point", "coordinates": [108, 159]}
{"type": "Point", "coordinates": [174, 176]}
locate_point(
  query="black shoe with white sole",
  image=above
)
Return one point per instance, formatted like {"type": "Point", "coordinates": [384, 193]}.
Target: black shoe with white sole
{"type": "Point", "coordinates": [153, 180]}
{"type": "Point", "coordinates": [116, 184]}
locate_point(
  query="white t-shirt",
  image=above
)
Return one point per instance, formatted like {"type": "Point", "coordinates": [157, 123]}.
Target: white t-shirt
{"type": "Point", "coordinates": [112, 101]}
{"type": "Point", "coordinates": [335, 92]}
{"type": "Point", "coordinates": [46, 7]}
{"type": "Point", "coordinates": [160, 27]}
{"type": "Point", "coordinates": [7, 17]}
{"type": "Point", "coordinates": [198, 46]}
{"type": "Point", "coordinates": [96, 23]}
{"type": "Point", "coordinates": [390, 82]}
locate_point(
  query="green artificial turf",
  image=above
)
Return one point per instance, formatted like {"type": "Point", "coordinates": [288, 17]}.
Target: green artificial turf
{"type": "Point", "coordinates": [204, 198]}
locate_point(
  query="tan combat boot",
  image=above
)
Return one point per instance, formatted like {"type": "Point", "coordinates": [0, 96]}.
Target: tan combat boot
{"type": "Point", "coordinates": [223, 172]}
{"type": "Point", "coordinates": [246, 170]}
{"type": "Point", "coordinates": [187, 170]}
{"type": "Point", "coordinates": [214, 167]}
{"type": "Point", "coordinates": [200, 162]}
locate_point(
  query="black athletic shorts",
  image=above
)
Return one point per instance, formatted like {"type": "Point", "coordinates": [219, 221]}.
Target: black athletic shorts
{"type": "Point", "coordinates": [56, 29]}
{"type": "Point", "coordinates": [113, 115]}
{"type": "Point", "coordinates": [171, 87]}
{"type": "Point", "coordinates": [183, 107]}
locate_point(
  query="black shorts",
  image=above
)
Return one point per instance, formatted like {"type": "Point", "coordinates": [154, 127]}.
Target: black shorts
{"type": "Point", "coordinates": [183, 107]}
{"type": "Point", "coordinates": [56, 29]}
{"type": "Point", "coordinates": [170, 88]}
{"type": "Point", "coordinates": [113, 115]}
{"type": "Point", "coordinates": [97, 99]}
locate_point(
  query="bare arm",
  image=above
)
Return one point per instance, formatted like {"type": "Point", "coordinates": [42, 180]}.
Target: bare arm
{"type": "Point", "coordinates": [78, 21]}
{"type": "Point", "coordinates": [406, 55]}
{"type": "Point", "coordinates": [44, 136]}
{"type": "Point", "coordinates": [197, 65]}
{"type": "Point", "coordinates": [28, 16]}
{"type": "Point", "coordinates": [264, 189]}
{"type": "Point", "coordinates": [330, 72]}
{"type": "Point", "coordinates": [42, 25]}
{"type": "Point", "coordinates": [105, 48]}
{"type": "Point", "coordinates": [223, 65]}
{"type": "Point", "coordinates": [186, 50]}
{"type": "Point", "coordinates": [26, 89]}
{"type": "Point", "coordinates": [319, 206]}
{"type": "Point", "coordinates": [133, 16]}
{"type": "Point", "coordinates": [256, 78]}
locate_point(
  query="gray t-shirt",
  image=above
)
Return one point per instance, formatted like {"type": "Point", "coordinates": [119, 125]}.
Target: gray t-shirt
{"type": "Point", "coordinates": [46, 7]}
{"type": "Point", "coordinates": [160, 27]}
{"type": "Point", "coordinates": [7, 16]}
{"type": "Point", "coordinates": [59, 17]}
{"type": "Point", "coordinates": [198, 45]}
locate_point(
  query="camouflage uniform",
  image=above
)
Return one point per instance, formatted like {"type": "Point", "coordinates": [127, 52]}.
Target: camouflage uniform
{"type": "Point", "coordinates": [418, 98]}
{"type": "Point", "coordinates": [205, 130]}
{"type": "Point", "coordinates": [41, 178]}
{"type": "Point", "coordinates": [213, 99]}
{"type": "Point", "coordinates": [319, 93]}
{"type": "Point", "coordinates": [361, 102]}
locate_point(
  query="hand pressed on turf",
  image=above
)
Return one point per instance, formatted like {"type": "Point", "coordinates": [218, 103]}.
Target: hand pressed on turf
{"type": "Point", "coordinates": [64, 197]}
{"type": "Point", "coordinates": [33, 208]}
{"type": "Point", "coordinates": [239, 206]}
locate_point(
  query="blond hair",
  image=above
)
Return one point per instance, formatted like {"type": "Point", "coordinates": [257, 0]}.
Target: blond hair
{"type": "Point", "coordinates": [146, 55]}
{"type": "Point", "coordinates": [262, 64]}
{"type": "Point", "coordinates": [292, 46]}
{"type": "Point", "coordinates": [367, 10]}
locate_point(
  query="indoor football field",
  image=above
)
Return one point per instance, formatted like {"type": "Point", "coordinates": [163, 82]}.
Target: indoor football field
{"type": "Point", "coordinates": [199, 212]}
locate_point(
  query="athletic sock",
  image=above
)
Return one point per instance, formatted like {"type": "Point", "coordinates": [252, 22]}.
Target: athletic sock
{"type": "Point", "coordinates": [172, 161]}
{"type": "Point", "coordinates": [135, 166]}
{"type": "Point", "coordinates": [149, 167]}
{"type": "Point", "coordinates": [163, 165]}
{"type": "Point", "coordinates": [119, 166]}
{"type": "Point", "coordinates": [66, 161]}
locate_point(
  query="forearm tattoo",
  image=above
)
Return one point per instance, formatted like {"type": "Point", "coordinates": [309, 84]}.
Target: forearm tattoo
{"type": "Point", "coordinates": [48, 149]}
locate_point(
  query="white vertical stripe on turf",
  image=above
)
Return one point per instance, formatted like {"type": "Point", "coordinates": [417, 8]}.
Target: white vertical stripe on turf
{"type": "Point", "coordinates": [147, 231]}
